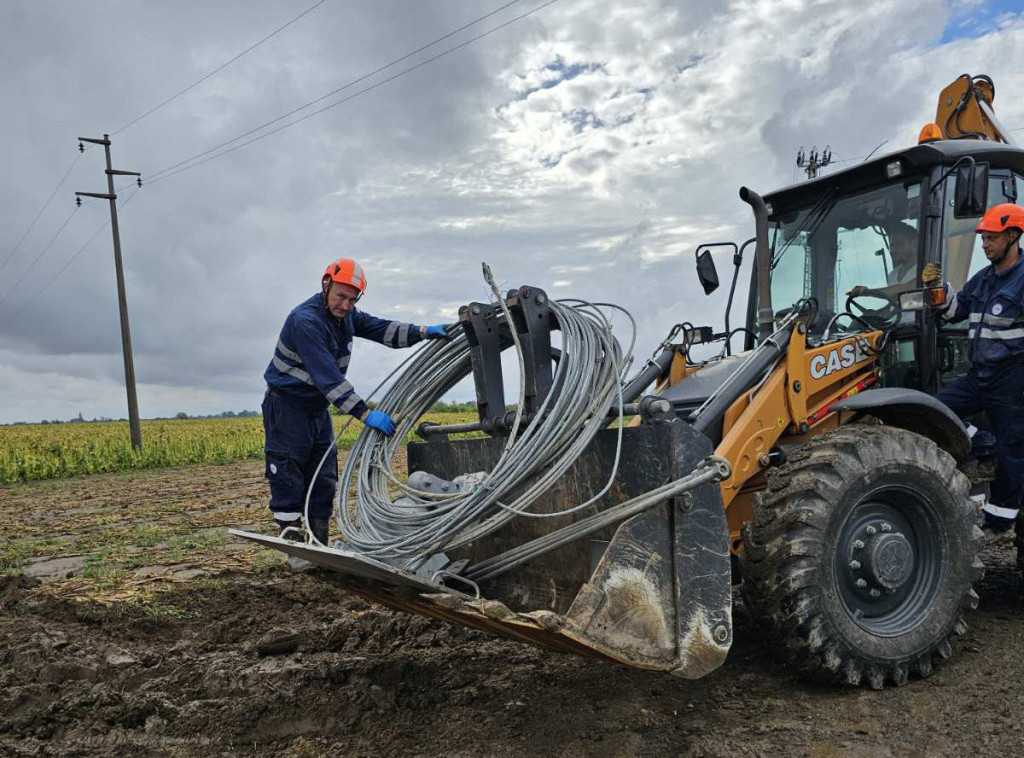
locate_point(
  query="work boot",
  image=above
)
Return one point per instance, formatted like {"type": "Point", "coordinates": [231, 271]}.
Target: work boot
{"type": "Point", "coordinates": [321, 528]}
{"type": "Point", "coordinates": [293, 532]}
{"type": "Point", "coordinates": [997, 528]}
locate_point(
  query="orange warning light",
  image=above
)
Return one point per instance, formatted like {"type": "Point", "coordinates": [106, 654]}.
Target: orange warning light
{"type": "Point", "coordinates": [929, 133]}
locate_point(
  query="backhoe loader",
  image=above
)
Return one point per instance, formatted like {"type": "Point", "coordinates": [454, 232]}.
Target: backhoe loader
{"type": "Point", "coordinates": [820, 473]}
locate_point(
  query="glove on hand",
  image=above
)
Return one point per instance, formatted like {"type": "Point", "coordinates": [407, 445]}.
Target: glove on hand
{"type": "Point", "coordinates": [437, 332]}
{"type": "Point", "coordinates": [380, 421]}
{"type": "Point", "coordinates": [931, 274]}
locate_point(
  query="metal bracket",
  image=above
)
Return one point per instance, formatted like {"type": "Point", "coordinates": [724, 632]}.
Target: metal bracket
{"type": "Point", "coordinates": [479, 321]}
{"type": "Point", "coordinates": [533, 321]}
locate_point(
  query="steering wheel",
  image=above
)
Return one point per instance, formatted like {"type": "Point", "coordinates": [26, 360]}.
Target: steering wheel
{"type": "Point", "coordinates": [880, 318]}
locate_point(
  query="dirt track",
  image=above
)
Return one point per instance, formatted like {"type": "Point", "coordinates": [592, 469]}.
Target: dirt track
{"type": "Point", "coordinates": [158, 657]}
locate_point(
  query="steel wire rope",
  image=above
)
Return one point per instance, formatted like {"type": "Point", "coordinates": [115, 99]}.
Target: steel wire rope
{"type": "Point", "coordinates": [39, 257]}
{"type": "Point", "coordinates": [41, 210]}
{"type": "Point", "coordinates": [41, 290]}
{"type": "Point", "coordinates": [221, 67]}
{"type": "Point", "coordinates": [591, 365]}
{"type": "Point", "coordinates": [181, 167]}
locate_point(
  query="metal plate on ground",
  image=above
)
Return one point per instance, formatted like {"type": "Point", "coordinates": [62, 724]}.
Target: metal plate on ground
{"type": "Point", "coordinates": [343, 561]}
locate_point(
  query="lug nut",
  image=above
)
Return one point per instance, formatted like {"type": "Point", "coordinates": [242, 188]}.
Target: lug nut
{"type": "Point", "coordinates": [875, 593]}
{"type": "Point", "coordinates": [858, 545]}
{"type": "Point", "coordinates": [871, 531]}
{"type": "Point", "coordinates": [886, 526]}
{"type": "Point", "coordinates": [855, 565]}
{"type": "Point", "coordinates": [861, 583]}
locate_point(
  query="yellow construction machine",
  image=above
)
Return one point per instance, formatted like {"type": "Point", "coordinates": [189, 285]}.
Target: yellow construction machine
{"type": "Point", "coordinates": [813, 465]}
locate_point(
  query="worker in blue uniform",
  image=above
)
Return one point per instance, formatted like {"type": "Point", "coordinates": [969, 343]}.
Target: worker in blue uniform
{"type": "Point", "coordinates": [993, 301]}
{"type": "Point", "coordinates": [305, 376]}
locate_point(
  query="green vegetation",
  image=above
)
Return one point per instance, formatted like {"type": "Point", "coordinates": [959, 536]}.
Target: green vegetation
{"type": "Point", "coordinates": [30, 452]}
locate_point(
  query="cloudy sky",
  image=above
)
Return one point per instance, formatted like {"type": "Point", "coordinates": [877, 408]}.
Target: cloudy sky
{"type": "Point", "coordinates": [587, 148]}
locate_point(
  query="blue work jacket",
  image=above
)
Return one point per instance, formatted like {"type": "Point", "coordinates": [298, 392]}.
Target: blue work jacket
{"type": "Point", "coordinates": [314, 350]}
{"type": "Point", "coordinates": [994, 304]}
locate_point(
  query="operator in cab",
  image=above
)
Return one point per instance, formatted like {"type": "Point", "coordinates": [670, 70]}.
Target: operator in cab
{"type": "Point", "coordinates": [903, 252]}
{"type": "Point", "coordinates": [993, 301]}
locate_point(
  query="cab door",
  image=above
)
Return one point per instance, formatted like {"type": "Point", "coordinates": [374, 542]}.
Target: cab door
{"type": "Point", "coordinates": [962, 257]}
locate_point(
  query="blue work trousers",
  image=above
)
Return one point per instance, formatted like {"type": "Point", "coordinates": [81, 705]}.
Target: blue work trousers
{"type": "Point", "coordinates": [296, 439]}
{"type": "Point", "coordinates": [1002, 400]}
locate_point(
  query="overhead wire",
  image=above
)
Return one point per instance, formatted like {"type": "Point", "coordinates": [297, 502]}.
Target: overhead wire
{"type": "Point", "coordinates": [39, 256]}
{"type": "Point", "coordinates": [345, 86]}
{"type": "Point", "coordinates": [191, 163]}
{"type": "Point", "coordinates": [41, 210]}
{"type": "Point", "coordinates": [52, 279]}
{"type": "Point", "coordinates": [219, 68]}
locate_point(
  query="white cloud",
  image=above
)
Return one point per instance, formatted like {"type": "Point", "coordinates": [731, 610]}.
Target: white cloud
{"type": "Point", "coordinates": [587, 149]}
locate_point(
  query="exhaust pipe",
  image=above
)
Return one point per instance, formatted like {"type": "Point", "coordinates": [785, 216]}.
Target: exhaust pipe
{"type": "Point", "coordinates": [762, 263]}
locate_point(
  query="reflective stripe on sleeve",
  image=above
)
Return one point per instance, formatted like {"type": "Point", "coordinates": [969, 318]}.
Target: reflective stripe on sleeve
{"type": "Point", "coordinates": [352, 402]}
{"type": "Point", "coordinates": [1000, 320]}
{"type": "Point", "coordinates": [389, 334]}
{"type": "Point", "coordinates": [289, 354]}
{"type": "Point", "coordinates": [403, 335]}
{"type": "Point", "coordinates": [1000, 512]}
{"type": "Point", "coordinates": [338, 391]}
{"type": "Point", "coordinates": [298, 373]}
{"type": "Point", "coordinates": [343, 362]}
{"type": "Point", "coordinates": [1001, 334]}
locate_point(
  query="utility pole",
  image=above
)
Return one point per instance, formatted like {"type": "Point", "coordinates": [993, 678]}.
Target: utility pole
{"type": "Point", "coordinates": [122, 300]}
{"type": "Point", "coordinates": [815, 161]}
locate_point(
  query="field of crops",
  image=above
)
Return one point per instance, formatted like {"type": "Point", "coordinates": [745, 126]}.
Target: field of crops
{"type": "Point", "coordinates": [49, 451]}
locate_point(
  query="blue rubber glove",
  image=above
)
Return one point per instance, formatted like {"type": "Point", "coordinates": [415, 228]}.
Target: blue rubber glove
{"type": "Point", "coordinates": [380, 421]}
{"type": "Point", "coordinates": [437, 332]}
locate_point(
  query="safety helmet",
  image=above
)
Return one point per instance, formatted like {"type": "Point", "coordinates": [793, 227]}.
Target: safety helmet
{"type": "Point", "coordinates": [1001, 217]}
{"type": "Point", "coordinates": [346, 271]}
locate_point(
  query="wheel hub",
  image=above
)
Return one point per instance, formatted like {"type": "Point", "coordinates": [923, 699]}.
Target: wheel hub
{"type": "Point", "coordinates": [889, 560]}
{"type": "Point", "coordinates": [883, 559]}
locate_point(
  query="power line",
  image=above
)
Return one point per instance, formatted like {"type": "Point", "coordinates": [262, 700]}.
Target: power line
{"type": "Point", "coordinates": [71, 260]}
{"type": "Point", "coordinates": [170, 170]}
{"type": "Point", "coordinates": [39, 257]}
{"type": "Point", "coordinates": [45, 206]}
{"type": "Point", "coordinates": [219, 68]}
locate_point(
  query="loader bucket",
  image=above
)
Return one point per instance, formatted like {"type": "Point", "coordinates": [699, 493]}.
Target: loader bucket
{"type": "Point", "coordinates": [653, 591]}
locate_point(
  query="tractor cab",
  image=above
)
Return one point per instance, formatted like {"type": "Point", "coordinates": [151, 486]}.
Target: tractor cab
{"type": "Point", "coordinates": [858, 239]}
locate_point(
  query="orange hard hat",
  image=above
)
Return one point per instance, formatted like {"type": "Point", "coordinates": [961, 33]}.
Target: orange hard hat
{"type": "Point", "coordinates": [346, 271]}
{"type": "Point", "coordinates": [1001, 217]}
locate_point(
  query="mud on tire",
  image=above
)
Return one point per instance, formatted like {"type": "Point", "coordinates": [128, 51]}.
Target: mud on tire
{"type": "Point", "coordinates": [861, 555]}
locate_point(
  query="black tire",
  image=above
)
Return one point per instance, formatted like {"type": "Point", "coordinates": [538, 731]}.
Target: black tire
{"type": "Point", "coordinates": [847, 604]}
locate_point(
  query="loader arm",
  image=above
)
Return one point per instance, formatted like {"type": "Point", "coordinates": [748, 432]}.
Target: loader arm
{"type": "Point", "coordinates": [795, 401]}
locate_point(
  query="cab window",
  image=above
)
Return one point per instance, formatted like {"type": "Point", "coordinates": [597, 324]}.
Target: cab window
{"type": "Point", "coordinates": [864, 240]}
{"type": "Point", "coordinates": [962, 256]}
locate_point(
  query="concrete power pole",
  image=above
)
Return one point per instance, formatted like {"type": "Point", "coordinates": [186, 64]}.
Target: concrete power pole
{"type": "Point", "coordinates": [122, 300]}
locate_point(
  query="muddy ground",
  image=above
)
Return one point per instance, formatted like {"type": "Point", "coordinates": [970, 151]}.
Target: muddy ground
{"type": "Point", "coordinates": [131, 626]}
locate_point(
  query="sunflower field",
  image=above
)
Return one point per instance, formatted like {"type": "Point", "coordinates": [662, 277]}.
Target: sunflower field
{"type": "Point", "coordinates": [48, 451]}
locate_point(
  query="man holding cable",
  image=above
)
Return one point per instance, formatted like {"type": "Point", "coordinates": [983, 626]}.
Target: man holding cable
{"type": "Point", "coordinates": [306, 374]}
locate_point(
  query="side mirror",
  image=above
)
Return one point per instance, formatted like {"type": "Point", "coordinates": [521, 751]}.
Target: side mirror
{"type": "Point", "coordinates": [971, 194]}
{"type": "Point", "coordinates": [706, 272]}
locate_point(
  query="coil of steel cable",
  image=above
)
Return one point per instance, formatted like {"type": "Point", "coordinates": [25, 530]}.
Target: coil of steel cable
{"type": "Point", "coordinates": [383, 517]}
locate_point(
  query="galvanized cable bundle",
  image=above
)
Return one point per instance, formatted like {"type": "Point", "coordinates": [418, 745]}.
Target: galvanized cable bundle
{"type": "Point", "coordinates": [388, 519]}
